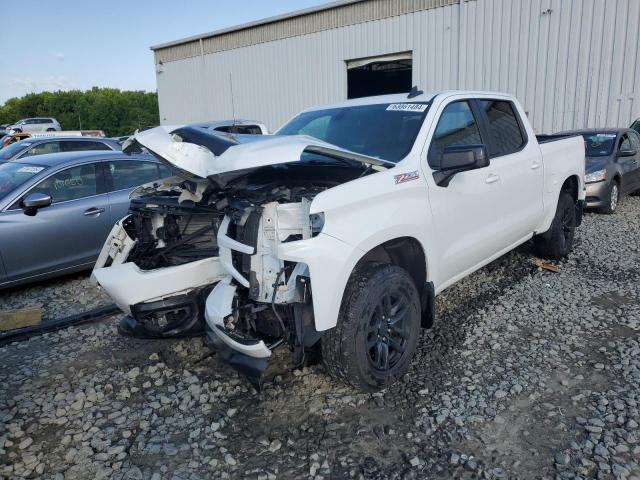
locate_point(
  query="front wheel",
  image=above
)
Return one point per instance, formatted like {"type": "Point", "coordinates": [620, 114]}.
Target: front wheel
{"type": "Point", "coordinates": [51, 129]}
{"type": "Point", "coordinates": [378, 328]}
{"type": "Point", "coordinates": [612, 199]}
{"type": "Point", "coordinates": [557, 242]}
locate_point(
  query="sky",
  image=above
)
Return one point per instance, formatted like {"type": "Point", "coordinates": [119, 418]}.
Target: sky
{"type": "Point", "coordinates": [78, 44]}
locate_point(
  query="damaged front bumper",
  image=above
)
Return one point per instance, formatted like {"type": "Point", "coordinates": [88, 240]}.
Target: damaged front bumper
{"type": "Point", "coordinates": [216, 295]}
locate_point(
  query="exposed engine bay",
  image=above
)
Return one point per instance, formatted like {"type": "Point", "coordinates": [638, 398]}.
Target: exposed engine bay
{"type": "Point", "coordinates": [201, 256]}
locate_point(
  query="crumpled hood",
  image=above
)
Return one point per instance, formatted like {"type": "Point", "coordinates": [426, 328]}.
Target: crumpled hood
{"type": "Point", "coordinates": [270, 150]}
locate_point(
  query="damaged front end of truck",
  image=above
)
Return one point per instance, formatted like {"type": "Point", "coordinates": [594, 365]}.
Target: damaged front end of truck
{"type": "Point", "coordinates": [209, 251]}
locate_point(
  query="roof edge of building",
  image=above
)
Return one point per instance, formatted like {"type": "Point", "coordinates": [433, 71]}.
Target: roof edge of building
{"type": "Point", "coordinates": [264, 21]}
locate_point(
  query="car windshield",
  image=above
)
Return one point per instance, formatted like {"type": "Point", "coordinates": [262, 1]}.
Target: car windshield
{"type": "Point", "coordinates": [7, 153]}
{"type": "Point", "coordinates": [599, 144]}
{"type": "Point", "coordinates": [385, 131]}
{"type": "Point", "coordinates": [14, 174]}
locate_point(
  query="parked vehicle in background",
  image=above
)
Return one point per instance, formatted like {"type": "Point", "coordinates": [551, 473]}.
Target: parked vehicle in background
{"type": "Point", "coordinates": [242, 127]}
{"type": "Point", "coordinates": [41, 145]}
{"type": "Point", "coordinates": [636, 126]}
{"type": "Point", "coordinates": [612, 165]}
{"type": "Point", "coordinates": [3, 129]}
{"type": "Point", "coordinates": [343, 239]}
{"type": "Point", "coordinates": [56, 210]}
{"type": "Point", "coordinates": [70, 133]}
{"type": "Point", "coordinates": [34, 125]}
{"type": "Point", "coordinates": [16, 137]}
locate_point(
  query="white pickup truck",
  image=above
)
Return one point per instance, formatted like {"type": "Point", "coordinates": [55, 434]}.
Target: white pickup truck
{"type": "Point", "coordinates": [337, 232]}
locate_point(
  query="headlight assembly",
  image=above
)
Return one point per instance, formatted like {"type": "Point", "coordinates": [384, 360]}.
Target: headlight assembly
{"type": "Point", "coordinates": [596, 176]}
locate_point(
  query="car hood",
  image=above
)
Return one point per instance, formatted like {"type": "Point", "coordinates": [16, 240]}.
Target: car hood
{"type": "Point", "coordinates": [224, 155]}
{"type": "Point", "coordinates": [593, 164]}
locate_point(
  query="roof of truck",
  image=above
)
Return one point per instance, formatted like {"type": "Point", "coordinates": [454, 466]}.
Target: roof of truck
{"type": "Point", "coordinates": [404, 98]}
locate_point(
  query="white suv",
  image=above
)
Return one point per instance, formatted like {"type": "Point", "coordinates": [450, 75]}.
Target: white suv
{"type": "Point", "coordinates": [33, 125]}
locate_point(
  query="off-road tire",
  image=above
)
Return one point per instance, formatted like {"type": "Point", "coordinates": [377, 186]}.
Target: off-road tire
{"type": "Point", "coordinates": [612, 203]}
{"type": "Point", "coordinates": [557, 243]}
{"type": "Point", "coordinates": [345, 353]}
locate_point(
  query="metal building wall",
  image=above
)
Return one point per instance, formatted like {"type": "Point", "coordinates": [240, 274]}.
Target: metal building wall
{"type": "Point", "coordinates": [572, 63]}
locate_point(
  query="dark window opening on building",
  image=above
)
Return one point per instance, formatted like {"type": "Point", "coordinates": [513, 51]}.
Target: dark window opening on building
{"type": "Point", "coordinates": [379, 75]}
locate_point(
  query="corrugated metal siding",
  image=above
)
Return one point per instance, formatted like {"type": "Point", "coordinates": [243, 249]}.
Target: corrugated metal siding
{"type": "Point", "coordinates": [575, 65]}
{"type": "Point", "coordinates": [572, 63]}
{"type": "Point", "coordinates": [178, 52]}
{"type": "Point", "coordinates": [301, 25]}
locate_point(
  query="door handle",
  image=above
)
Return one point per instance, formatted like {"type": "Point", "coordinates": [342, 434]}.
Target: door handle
{"type": "Point", "coordinates": [93, 212]}
{"type": "Point", "coordinates": [492, 178]}
{"type": "Point", "coordinates": [535, 165]}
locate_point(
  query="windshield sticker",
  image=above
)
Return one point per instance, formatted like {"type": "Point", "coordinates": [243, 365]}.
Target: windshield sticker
{"type": "Point", "coordinates": [406, 177]}
{"type": "Point", "coordinates": [407, 107]}
{"type": "Point", "coordinates": [30, 169]}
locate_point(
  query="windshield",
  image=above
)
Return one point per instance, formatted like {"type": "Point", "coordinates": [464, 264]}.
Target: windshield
{"type": "Point", "coordinates": [14, 174]}
{"type": "Point", "coordinates": [7, 153]}
{"type": "Point", "coordinates": [385, 131]}
{"type": "Point", "coordinates": [599, 144]}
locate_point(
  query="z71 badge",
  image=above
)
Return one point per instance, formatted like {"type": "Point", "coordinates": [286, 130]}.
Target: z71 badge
{"type": "Point", "coordinates": [406, 177]}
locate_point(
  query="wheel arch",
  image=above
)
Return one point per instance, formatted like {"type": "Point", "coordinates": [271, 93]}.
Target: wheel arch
{"type": "Point", "coordinates": [571, 185]}
{"type": "Point", "coordinates": [408, 253]}
{"type": "Point", "coordinates": [618, 178]}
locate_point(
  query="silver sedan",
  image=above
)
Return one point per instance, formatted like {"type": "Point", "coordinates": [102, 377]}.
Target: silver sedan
{"type": "Point", "coordinates": [56, 210]}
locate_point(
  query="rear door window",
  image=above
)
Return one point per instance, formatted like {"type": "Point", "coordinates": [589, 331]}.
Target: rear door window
{"type": "Point", "coordinates": [130, 173]}
{"type": "Point", "coordinates": [70, 184]}
{"type": "Point", "coordinates": [506, 134]}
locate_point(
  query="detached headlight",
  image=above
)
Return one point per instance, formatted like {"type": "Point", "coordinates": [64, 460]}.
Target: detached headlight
{"type": "Point", "coordinates": [596, 176]}
{"type": "Point", "coordinates": [317, 223]}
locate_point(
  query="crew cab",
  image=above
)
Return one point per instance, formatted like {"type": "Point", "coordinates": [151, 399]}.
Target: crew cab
{"type": "Point", "coordinates": [337, 232]}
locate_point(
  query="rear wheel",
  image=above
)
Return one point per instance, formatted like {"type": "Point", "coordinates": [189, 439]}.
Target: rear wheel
{"type": "Point", "coordinates": [558, 241]}
{"type": "Point", "coordinates": [378, 328]}
{"type": "Point", "coordinates": [612, 198]}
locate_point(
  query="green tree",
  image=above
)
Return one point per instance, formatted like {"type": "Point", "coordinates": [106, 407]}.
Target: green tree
{"type": "Point", "coordinates": [111, 110]}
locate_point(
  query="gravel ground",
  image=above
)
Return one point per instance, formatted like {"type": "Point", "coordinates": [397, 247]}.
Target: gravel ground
{"type": "Point", "coordinates": [56, 298]}
{"type": "Point", "coordinates": [527, 374]}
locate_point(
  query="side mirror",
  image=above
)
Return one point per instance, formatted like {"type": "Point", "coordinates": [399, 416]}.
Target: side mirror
{"type": "Point", "coordinates": [32, 202]}
{"type": "Point", "coordinates": [631, 152]}
{"type": "Point", "coordinates": [457, 159]}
